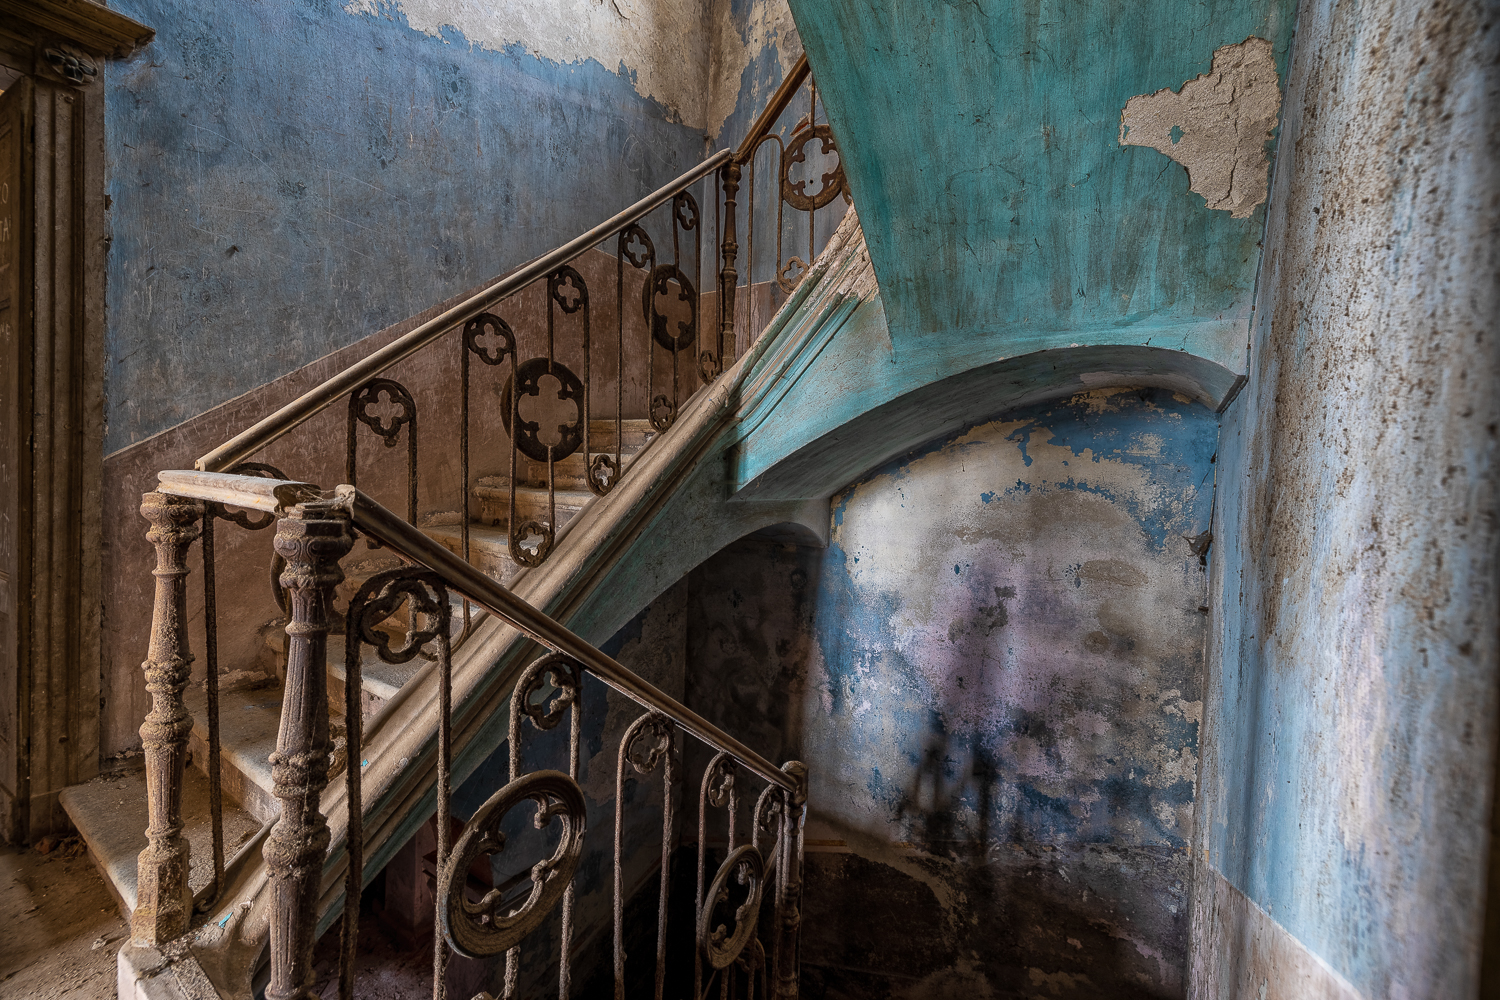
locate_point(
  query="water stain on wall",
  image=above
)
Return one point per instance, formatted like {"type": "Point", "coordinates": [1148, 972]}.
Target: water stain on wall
{"type": "Point", "coordinates": [993, 673]}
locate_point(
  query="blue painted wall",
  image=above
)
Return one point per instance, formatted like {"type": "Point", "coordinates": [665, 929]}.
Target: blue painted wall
{"type": "Point", "coordinates": [1350, 711]}
{"type": "Point", "coordinates": [993, 672]}
{"type": "Point", "coordinates": [287, 177]}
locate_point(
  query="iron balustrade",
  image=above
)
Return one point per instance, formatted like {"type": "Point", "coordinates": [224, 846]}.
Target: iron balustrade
{"type": "Point", "coordinates": [315, 531]}
{"type": "Point", "coordinates": [513, 359]}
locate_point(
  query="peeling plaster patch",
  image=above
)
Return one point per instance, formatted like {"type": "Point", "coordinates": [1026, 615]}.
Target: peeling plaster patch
{"type": "Point", "coordinates": [659, 46]}
{"type": "Point", "coordinates": [747, 34]}
{"type": "Point", "coordinates": [1216, 126]}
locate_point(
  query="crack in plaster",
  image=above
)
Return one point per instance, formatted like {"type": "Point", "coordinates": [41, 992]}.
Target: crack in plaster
{"type": "Point", "coordinates": [1216, 126]}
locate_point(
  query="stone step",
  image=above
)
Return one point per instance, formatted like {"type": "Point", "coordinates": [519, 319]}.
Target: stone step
{"type": "Point", "coordinates": [489, 549]}
{"type": "Point", "coordinates": [572, 472]}
{"type": "Point", "coordinates": [532, 504]}
{"type": "Point", "coordinates": [381, 680]}
{"type": "Point", "coordinates": [110, 814]}
{"type": "Point", "coordinates": [248, 721]}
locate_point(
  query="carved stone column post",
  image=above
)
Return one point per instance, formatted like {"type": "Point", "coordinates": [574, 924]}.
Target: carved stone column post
{"type": "Point", "coordinates": [311, 538]}
{"type": "Point", "coordinates": [728, 277]}
{"type": "Point", "coordinates": [164, 903]}
{"type": "Point", "coordinates": [789, 886]}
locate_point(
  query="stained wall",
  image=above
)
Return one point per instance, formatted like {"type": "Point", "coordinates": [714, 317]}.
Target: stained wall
{"type": "Point", "coordinates": [1350, 712]}
{"type": "Point", "coordinates": [994, 675]}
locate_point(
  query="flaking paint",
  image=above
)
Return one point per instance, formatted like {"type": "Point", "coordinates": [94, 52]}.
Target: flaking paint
{"type": "Point", "coordinates": [993, 673]}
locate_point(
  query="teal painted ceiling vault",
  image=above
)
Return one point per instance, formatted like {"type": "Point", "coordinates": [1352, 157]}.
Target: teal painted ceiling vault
{"type": "Point", "coordinates": [1003, 214]}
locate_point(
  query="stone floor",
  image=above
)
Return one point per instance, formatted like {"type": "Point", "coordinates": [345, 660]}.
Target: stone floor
{"type": "Point", "coordinates": [59, 926]}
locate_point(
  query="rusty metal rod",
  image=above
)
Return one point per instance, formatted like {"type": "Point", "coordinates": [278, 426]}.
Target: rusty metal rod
{"type": "Point", "coordinates": [270, 428]}
{"type": "Point", "coordinates": [371, 517]}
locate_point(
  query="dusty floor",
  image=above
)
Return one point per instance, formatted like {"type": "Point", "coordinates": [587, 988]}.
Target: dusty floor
{"type": "Point", "coordinates": [59, 927]}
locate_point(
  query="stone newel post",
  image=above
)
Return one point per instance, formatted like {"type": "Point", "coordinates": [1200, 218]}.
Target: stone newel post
{"type": "Point", "coordinates": [311, 538]}
{"type": "Point", "coordinates": [164, 903]}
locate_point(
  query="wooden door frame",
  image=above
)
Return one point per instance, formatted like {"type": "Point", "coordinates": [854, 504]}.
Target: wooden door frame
{"type": "Point", "coordinates": [61, 46]}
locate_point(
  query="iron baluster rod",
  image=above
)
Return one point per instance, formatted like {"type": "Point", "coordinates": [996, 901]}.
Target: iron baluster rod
{"type": "Point", "coordinates": [272, 427]}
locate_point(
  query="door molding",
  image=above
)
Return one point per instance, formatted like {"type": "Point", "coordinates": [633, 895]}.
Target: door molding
{"type": "Point", "coordinates": [63, 235]}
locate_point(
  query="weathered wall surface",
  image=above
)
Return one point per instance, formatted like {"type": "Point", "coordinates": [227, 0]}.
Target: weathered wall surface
{"type": "Point", "coordinates": [1003, 207]}
{"type": "Point", "coordinates": [1350, 719]}
{"type": "Point", "coordinates": [287, 177]}
{"type": "Point", "coordinates": [993, 673]}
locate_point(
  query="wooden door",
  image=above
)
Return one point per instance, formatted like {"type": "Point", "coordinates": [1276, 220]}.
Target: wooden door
{"type": "Point", "coordinates": [15, 361]}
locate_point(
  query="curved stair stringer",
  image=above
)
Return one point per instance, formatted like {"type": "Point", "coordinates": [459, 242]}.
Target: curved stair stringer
{"type": "Point", "coordinates": [622, 550]}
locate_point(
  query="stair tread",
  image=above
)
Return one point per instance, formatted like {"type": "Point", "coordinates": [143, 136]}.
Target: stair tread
{"type": "Point", "coordinates": [248, 722]}
{"type": "Point", "coordinates": [565, 498]}
{"type": "Point", "coordinates": [110, 813]}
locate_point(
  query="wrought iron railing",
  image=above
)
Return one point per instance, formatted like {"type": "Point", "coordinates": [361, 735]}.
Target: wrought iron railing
{"type": "Point", "coordinates": [314, 532]}
{"type": "Point", "coordinates": [500, 370]}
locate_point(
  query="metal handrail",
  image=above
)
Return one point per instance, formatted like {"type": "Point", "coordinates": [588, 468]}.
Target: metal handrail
{"type": "Point", "coordinates": [251, 440]}
{"type": "Point", "coordinates": [409, 542]}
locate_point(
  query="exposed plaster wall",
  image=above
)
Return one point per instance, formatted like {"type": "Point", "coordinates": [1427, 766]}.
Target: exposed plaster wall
{"type": "Point", "coordinates": [1216, 125]}
{"type": "Point", "coordinates": [1350, 713]}
{"type": "Point", "coordinates": [661, 48]}
{"type": "Point", "coordinates": [755, 45]}
{"type": "Point", "coordinates": [993, 673]}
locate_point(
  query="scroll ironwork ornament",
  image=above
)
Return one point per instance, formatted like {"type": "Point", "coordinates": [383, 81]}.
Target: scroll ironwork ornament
{"type": "Point", "coordinates": [566, 677]}
{"type": "Point", "coordinates": [720, 945]}
{"type": "Point", "coordinates": [659, 282]}
{"type": "Point", "coordinates": [767, 820]}
{"type": "Point", "coordinates": [636, 246]}
{"type": "Point", "coordinates": [380, 597]}
{"type": "Point", "coordinates": [685, 211]}
{"type": "Point", "coordinates": [483, 327]}
{"type": "Point", "coordinates": [708, 366]}
{"type": "Point", "coordinates": [494, 924]}
{"type": "Point", "coordinates": [663, 412]}
{"type": "Point", "coordinates": [793, 192]}
{"type": "Point", "coordinates": [786, 280]}
{"type": "Point", "coordinates": [604, 472]}
{"type": "Point", "coordinates": [364, 400]}
{"type": "Point", "coordinates": [530, 554]}
{"type": "Point", "coordinates": [648, 741]}
{"type": "Point", "coordinates": [721, 780]}
{"type": "Point", "coordinates": [567, 288]}
{"type": "Point", "coordinates": [529, 383]}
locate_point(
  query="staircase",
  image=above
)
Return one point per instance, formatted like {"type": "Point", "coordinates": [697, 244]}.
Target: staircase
{"type": "Point", "coordinates": [110, 811]}
{"type": "Point", "coordinates": [231, 834]}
